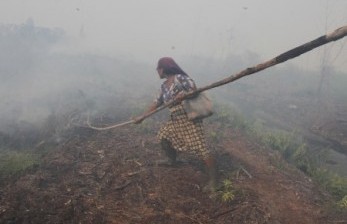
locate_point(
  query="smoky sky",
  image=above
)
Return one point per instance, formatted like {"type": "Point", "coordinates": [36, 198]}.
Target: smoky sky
{"type": "Point", "coordinates": [61, 55]}
{"type": "Point", "coordinates": [147, 30]}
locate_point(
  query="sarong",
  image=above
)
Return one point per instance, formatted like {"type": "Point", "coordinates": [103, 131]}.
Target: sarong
{"type": "Point", "coordinates": [184, 134]}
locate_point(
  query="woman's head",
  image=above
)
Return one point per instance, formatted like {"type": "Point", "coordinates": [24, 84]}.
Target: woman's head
{"type": "Point", "coordinates": [169, 66]}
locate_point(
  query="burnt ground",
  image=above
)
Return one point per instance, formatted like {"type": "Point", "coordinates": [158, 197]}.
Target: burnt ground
{"type": "Point", "coordinates": [109, 177]}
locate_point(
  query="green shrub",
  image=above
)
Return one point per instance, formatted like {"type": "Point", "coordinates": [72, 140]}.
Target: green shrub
{"type": "Point", "coordinates": [343, 202]}
{"type": "Point", "coordinates": [294, 151]}
{"type": "Point", "coordinates": [227, 192]}
{"type": "Point", "coordinates": [302, 159]}
{"type": "Point", "coordinates": [12, 163]}
{"type": "Point", "coordinates": [289, 145]}
{"type": "Point", "coordinates": [332, 182]}
{"type": "Point", "coordinates": [256, 129]}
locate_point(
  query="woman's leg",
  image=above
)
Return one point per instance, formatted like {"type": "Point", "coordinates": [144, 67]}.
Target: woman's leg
{"type": "Point", "coordinates": [211, 169]}
{"type": "Point", "coordinates": [169, 151]}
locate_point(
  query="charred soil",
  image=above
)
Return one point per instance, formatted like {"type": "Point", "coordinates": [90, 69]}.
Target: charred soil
{"type": "Point", "coordinates": [109, 177]}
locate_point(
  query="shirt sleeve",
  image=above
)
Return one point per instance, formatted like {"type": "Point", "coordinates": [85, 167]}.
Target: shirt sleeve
{"type": "Point", "coordinates": [187, 83]}
{"type": "Point", "coordinates": [159, 100]}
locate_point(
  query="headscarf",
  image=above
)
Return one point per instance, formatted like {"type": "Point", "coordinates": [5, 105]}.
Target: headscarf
{"type": "Point", "coordinates": [169, 66]}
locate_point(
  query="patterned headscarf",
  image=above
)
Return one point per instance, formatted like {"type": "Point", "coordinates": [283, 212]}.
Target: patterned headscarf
{"type": "Point", "coordinates": [169, 66]}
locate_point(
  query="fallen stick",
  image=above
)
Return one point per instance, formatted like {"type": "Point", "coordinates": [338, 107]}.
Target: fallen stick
{"type": "Point", "coordinates": [108, 127]}
{"type": "Point", "coordinates": [293, 53]}
{"type": "Point", "coordinates": [246, 172]}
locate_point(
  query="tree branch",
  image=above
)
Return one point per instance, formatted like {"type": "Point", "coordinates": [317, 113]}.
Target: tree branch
{"type": "Point", "coordinates": [293, 53]}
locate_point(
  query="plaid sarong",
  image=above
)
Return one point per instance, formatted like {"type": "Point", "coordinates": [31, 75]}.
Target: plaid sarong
{"type": "Point", "coordinates": [184, 135]}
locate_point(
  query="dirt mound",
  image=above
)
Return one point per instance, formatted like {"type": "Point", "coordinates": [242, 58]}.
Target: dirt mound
{"type": "Point", "coordinates": [107, 177]}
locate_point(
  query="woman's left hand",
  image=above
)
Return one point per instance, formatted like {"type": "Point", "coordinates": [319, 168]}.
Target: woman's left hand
{"type": "Point", "coordinates": [179, 97]}
{"type": "Point", "coordinates": [138, 120]}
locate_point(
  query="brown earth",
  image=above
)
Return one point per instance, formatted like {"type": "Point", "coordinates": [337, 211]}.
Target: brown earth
{"type": "Point", "coordinates": [107, 177]}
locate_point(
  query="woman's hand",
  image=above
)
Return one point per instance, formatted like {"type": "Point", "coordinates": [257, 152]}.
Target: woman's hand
{"type": "Point", "coordinates": [179, 97]}
{"type": "Point", "coordinates": [138, 120]}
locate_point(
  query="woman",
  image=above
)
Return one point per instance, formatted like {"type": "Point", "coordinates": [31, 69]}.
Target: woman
{"type": "Point", "coordinates": [179, 133]}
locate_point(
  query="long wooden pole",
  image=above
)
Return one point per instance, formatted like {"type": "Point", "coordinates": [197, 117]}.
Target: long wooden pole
{"type": "Point", "coordinates": [293, 53]}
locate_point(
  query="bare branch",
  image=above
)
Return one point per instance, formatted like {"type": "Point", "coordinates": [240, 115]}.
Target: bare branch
{"type": "Point", "coordinates": [293, 53]}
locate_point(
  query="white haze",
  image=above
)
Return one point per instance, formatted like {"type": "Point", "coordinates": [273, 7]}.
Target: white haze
{"type": "Point", "coordinates": [147, 30]}
{"type": "Point", "coordinates": [57, 56]}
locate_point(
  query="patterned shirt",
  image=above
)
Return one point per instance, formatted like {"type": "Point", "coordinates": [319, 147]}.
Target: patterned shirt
{"type": "Point", "coordinates": [181, 83]}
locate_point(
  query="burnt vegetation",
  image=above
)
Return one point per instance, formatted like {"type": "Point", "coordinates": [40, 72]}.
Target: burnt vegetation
{"type": "Point", "coordinates": [278, 138]}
